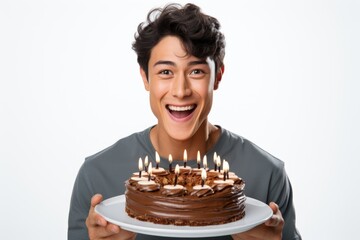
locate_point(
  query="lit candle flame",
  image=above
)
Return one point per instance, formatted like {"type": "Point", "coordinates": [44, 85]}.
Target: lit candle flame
{"type": "Point", "coordinates": [140, 165]}
{"type": "Point", "coordinates": [146, 161]}
{"type": "Point", "coordinates": [198, 160]}
{"type": "Point", "coordinates": [205, 162]}
{"type": "Point", "coordinates": [218, 161]}
{"type": "Point", "coordinates": [215, 157]}
{"type": "Point", "coordinates": [225, 166]}
{"type": "Point", "coordinates": [157, 159]}
{"type": "Point", "coordinates": [215, 161]}
{"type": "Point", "coordinates": [170, 162]}
{"type": "Point", "coordinates": [150, 171]}
{"type": "Point", "coordinates": [227, 169]}
{"type": "Point", "coordinates": [185, 158]}
{"type": "Point", "coordinates": [177, 169]}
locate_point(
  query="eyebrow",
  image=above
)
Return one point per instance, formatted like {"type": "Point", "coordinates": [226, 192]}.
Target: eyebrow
{"type": "Point", "coordinates": [192, 63]}
{"type": "Point", "coordinates": [163, 62]}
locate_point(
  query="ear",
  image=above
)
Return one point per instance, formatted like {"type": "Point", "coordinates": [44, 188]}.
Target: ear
{"type": "Point", "coordinates": [219, 77]}
{"type": "Point", "coordinates": [145, 80]}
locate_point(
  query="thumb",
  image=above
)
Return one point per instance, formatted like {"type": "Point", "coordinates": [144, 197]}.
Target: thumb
{"type": "Point", "coordinates": [276, 218]}
{"type": "Point", "coordinates": [96, 199]}
{"type": "Point", "coordinates": [95, 218]}
{"type": "Point", "coordinates": [274, 207]}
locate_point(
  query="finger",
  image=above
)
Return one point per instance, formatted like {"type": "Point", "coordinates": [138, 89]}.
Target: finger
{"type": "Point", "coordinates": [112, 228]}
{"type": "Point", "coordinates": [93, 218]}
{"type": "Point", "coordinates": [96, 199]}
{"type": "Point", "coordinates": [99, 232]}
{"type": "Point", "coordinates": [112, 231]}
{"type": "Point", "coordinates": [276, 219]}
{"type": "Point", "coordinates": [273, 221]}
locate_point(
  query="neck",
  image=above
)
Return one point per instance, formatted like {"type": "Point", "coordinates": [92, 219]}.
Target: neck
{"type": "Point", "coordinates": [205, 137]}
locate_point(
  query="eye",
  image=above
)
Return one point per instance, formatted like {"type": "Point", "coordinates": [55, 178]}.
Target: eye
{"type": "Point", "coordinates": [197, 71]}
{"type": "Point", "coordinates": [165, 72]}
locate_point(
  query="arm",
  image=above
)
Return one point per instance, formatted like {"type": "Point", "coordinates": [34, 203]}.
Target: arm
{"type": "Point", "coordinates": [84, 222]}
{"type": "Point", "coordinates": [278, 190]}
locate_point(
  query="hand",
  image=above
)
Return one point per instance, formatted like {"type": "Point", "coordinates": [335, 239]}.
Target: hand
{"type": "Point", "coordinates": [271, 229]}
{"type": "Point", "coordinates": [99, 228]}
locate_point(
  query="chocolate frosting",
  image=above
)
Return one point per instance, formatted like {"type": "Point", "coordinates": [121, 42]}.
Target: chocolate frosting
{"type": "Point", "coordinates": [147, 188]}
{"type": "Point", "coordinates": [202, 192]}
{"type": "Point", "coordinates": [173, 192]}
{"type": "Point", "coordinates": [220, 204]}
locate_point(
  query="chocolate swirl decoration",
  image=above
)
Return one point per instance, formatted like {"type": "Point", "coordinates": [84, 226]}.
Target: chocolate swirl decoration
{"type": "Point", "coordinates": [148, 188]}
{"type": "Point", "coordinates": [160, 173]}
{"type": "Point", "coordinates": [132, 182]}
{"type": "Point", "coordinates": [239, 181]}
{"type": "Point", "coordinates": [221, 187]}
{"type": "Point", "coordinates": [174, 192]}
{"type": "Point", "coordinates": [202, 192]}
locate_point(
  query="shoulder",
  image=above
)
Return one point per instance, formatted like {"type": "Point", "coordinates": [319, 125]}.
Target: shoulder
{"type": "Point", "coordinates": [261, 170]}
{"type": "Point", "coordinates": [105, 172]}
{"type": "Point", "coordinates": [122, 148]}
{"type": "Point", "coordinates": [249, 151]}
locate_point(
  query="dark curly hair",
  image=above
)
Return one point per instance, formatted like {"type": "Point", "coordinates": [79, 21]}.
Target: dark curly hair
{"type": "Point", "coordinates": [200, 33]}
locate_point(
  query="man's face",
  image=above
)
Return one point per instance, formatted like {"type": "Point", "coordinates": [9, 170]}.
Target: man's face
{"type": "Point", "coordinates": [181, 88]}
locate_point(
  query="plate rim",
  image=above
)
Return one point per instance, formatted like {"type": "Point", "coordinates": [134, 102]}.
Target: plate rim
{"type": "Point", "coordinates": [184, 231]}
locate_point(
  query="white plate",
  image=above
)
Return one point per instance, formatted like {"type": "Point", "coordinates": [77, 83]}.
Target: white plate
{"type": "Point", "coordinates": [113, 210]}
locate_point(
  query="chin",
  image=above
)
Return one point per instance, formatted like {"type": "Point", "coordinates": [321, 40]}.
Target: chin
{"type": "Point", "coordinates": [180, 134]}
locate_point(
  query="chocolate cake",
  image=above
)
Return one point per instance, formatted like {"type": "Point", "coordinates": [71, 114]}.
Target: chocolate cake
{"type": "Point", "coordinates": [186, 197]}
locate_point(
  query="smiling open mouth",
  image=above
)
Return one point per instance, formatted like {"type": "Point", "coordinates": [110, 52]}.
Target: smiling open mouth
{"type": "Point", "coordinates": [180, 111]}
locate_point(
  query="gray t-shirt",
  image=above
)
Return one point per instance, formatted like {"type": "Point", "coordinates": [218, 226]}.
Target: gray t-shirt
{"type": "Point", "coordinates": [107, 171]}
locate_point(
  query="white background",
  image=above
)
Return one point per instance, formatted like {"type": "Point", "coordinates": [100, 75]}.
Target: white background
{"type": "Point", "coordinates": [70, 86]}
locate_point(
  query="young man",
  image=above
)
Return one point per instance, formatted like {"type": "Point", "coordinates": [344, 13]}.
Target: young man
{"type": "Point", "coordinates": [180, 52]}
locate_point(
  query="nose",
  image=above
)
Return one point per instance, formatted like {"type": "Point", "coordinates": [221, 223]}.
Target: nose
{"type": "Point", "coordinates": [181, 87]}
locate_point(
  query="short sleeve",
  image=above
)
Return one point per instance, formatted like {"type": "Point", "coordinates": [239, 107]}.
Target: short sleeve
{"type": "Point", "coordinates": [281, 193]}
{"type": "Point", "coordinates": [79, 206]}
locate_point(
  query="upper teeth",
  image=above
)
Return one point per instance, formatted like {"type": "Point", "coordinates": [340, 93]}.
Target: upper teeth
{"type": "Point", "coordinates": [185, 108]}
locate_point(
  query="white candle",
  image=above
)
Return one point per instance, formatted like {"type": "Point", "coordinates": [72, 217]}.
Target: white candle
{"type": "Point", "coordinates": [199, 187]}
{"type": "Point", "coordinates": [146, 183]}
{"type": "Point", "coordinates": [138, 179]}
{"type": "Point", "coordinates": [227, 181]}
{"type": "Point", "coordinates": [170, 187]}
